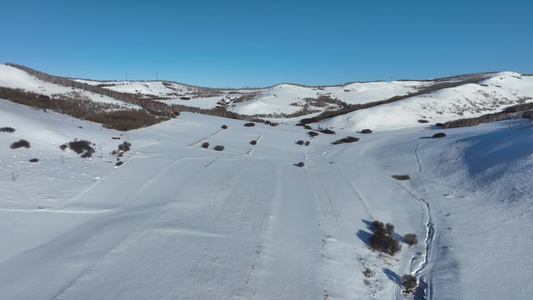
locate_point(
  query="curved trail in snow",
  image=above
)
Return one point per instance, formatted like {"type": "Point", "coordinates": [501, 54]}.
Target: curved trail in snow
{"type": "Point", "coordinates": [422, 272]}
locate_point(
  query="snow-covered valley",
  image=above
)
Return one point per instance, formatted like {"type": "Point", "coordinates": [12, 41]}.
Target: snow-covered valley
{"type": "Point", "coordinates": [180, 221]}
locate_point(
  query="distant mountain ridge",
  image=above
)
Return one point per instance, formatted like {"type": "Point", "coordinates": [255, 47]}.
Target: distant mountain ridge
{"type": "Point", "coordinates": [354, 105]}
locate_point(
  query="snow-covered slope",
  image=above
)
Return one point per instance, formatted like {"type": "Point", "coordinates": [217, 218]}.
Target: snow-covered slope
{"type": "Point", "coordinates": [177, 221]}
{"type": "Point", "coordinates": [180, 221]}
{"type": "Point", "coordinates": [469, 100]}
{"type": "Point", "coordinates": [17, 79]}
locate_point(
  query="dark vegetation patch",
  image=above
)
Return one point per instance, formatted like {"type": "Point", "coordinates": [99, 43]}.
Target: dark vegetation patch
{"type": "Point", "coordinates": [82, 147]}
{"type": "Point", "coordinates": [300, 142]}
{"type": "Point", "coordinates": [300, 164]}
{"type": "Point", "coordinates": [439, 125]}
{"type": "Point", "coordinates": [253, 142]}
{"type": "Point", "coordinates": [366, 131]}
{"type": "Point", "coordinates": [119, 163]}
{"type": "Point", "coordinates": [20, 144]}
{"type": "Point", "coordinates": [346, 140]}
{"type": "Point", "coordinates": [410, 239]}
{"type": "Point", "coordinates": [423, 121]}
{"type": "Point", "coordinates": [205, 145]}
{"type": "Point", "coordinates": [409, 283]}
{"type": "Point", "coordinates": [7, 129]}
{"type": "Point", "coordinates": [382, 239]}
{"type": "Point", "coordinates": [401, 177]}
{"type": "Point", "coordinates": [249, 124]}
{"type": "Point", "coordinates": [34, 160]}
{"type": "Point", "coordinates": [439, 135]}
{"type": "Point", "coordinates": [307, 143]}
{"type": "Point", "coordinates": [224, 127]}
{"type": "Point", "coordinates": [327, 131]}
{"type": "Point", "coordinates": [219, 148]}
{"type": "Point", "coordinates": [312, 133]}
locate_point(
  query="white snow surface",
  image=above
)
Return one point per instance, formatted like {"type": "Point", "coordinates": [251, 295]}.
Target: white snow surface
{"type": "Point", "coordinates": [15, 78]}
{"type": "Point", "coordinates": [177, 221]}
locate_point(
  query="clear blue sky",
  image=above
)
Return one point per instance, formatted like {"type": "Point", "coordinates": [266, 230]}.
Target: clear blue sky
{"type": "Point", "coordinates": [238, 43]}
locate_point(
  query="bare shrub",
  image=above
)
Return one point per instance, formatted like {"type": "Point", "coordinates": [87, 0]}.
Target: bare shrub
{"type": "Point", "coordinates": [124, 147]}
{"type": "Point", "coordinates": [63, 147]}
{"type": "Point", "coordinates": [254, 142]}
{"type": "Point", "coordinates": [439, 135]}
{"type": "Point", "coordinates": [249, 124]}
{"type": "Point", "coordinates": [300, 142]}
{"type": "Point", "coordinates": [423, 121]}
{"type": "Point", "coordinates": [348, 139]}
{"type": "Point", "coordinates": [219, 148]}
{"type": "Point", "coordinates": [382, 240]}
{"type": "Point", "coordinates": [312, 133]}
{"type": "Point", "coordinates": [327, 131]}
{"type": "Point", "coordinates": [307, 143]}
{"type": "Point", "coordinates": [401, 177]}
{"type": "Point", "coordinates": [366, 131]}
{"type": "Point", "coordinates": [7, 129]}
{"type": "Point", "coordinates": [20, 144]}
{"type": "Point", "coordinates": [389, 228]}
{"type": "Point", "coordinates": [410, 239]}
{"type": "Point", "coordinates": [224, 127]}
{"type": "Point", "coordinates": [378, 226]}
{"type": "Point", "coordinates": [307, 127]}
{"type": "Point", "coordinates": [368, 273]}
{"type": "Point", "coordinates": [410, 283]}
{"type": "Point", "coordinates": [81, 146]}
{"type": "Point", "coordinates": [205, 145]}
{"type": "Point", "coordinates": [300, 164]}
{"type": "Point", "coordinates": [34, 160]}
{"type": "Point", "coordinates": [119, 163]}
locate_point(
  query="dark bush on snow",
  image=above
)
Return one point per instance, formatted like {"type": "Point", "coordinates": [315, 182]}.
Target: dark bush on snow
{"type": "Point", "coordinates": [312, 133]}
{"type": "Point", "coordinates": [327, 131]}
{"type": "Point", "coordinates": [401, 177]}
{"type": "Point", "coordinates": [224, 127]}
{"type": "Point", "coordinates": [439, 125]}
{"type": "Point", "coordinates": [300, 142]}
{"type": "Point", "coordinates": [81, 146]}
{"type": "Point", "coordinates": [63, 147]}
{"type": "Point", "coordinates": [219, 148]}
{"type": "Point", "coordinates": [368, 273]}
{"type": "Point", "coordinates": [366, 131]}
{"type": "Point", "coordinates": [409, 283]}
{"type": "Point", "coordinates": [300, 164]}
{"type": "Point", "coordinates": [382, 242]}
{"type": "Point", "coordinates": [20, 144]}
{"type": "Point", "coordinates": [205, 145]}
{"type": "Point", "coordinates": [307, 143]}
{"type": "Point", "coordinates": [34, 160]}
{"type": "Point", "coordinates": [307, 127]}
{"type": "Point", "coordinates": [254, 142]}
{"type": "Point", "coordinates": [119, 163]}
{"type": "Point", "coordinates": [7, 129]}
{"type": "Point", "coordinates": [423, 121]}
{"type": "Point", "coordinates": [124, 147]}
{"type": "Point", "coordinates": [410, 239]}
{"type": "Point", "coordinates": [439, 135]}
{"type": "Point", "coordinates": [249, 124]}
{"type": "Point", "coordinates": [348, 139]}
{"type": "Point", "coordinates": [382, 239]}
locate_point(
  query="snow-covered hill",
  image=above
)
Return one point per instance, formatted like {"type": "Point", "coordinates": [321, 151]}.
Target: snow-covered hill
{"type": "Point", "coordinates": [180, 221]}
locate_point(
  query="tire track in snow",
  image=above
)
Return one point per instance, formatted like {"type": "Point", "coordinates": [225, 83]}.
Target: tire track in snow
{"type": "Point", "coordinates": [144, 218]}
{"type": "Point", "coordinates": [206, 138]}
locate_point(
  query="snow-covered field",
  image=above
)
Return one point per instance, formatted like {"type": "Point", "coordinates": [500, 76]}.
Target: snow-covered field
{"type": "Point", "coordinates": [177, 221]}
